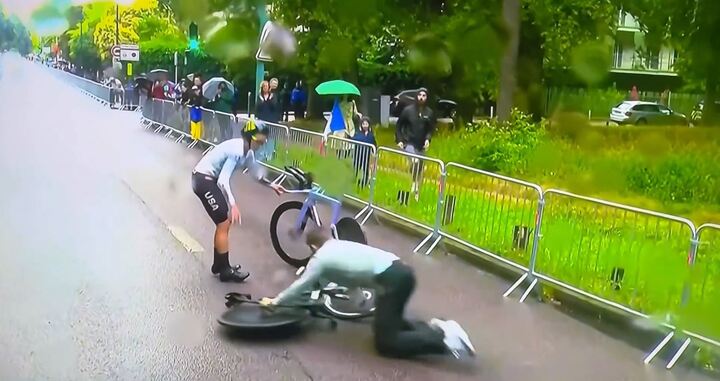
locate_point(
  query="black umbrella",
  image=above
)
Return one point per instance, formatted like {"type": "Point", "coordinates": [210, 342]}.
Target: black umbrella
{"type": "Point", "coordinates": [157, 75]}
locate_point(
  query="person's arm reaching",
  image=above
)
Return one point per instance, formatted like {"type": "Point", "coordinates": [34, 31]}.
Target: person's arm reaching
{"type": "Point", "coordinates": [306, 282]}
{"type": "Point", "coordinates": [224, 184]}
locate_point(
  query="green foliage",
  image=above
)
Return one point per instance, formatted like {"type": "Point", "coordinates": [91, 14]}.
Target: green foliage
{"type": "Point", "coordinates": [13, 35]}
{"type": "Point", "coordinates": [83, 52]}
{"type": "Point", "coordinates": [566, 24]}
{"type": "Point", "coordinates": [681, 177]}
{"type": "Point", "coordinates": [503, 146]}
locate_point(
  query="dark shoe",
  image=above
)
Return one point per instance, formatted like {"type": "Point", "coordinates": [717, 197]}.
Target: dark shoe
{"type": "Point", "coordinates": [233, 275]}
{"type": "Point", "coordinates": [218, 269]}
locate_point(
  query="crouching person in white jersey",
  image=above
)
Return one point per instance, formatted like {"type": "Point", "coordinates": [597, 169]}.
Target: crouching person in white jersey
{"type": "Point", "coordinates": [352, 264]}
{"type": "Point", "coordinates": [211, 183]}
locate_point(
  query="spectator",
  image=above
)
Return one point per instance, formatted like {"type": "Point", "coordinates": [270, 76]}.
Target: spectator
{"type": "Point", "coordinates": [363, 153]}
{"type": "Point", "coordinates": [266, 105]}
{"type": "Point", "coordinates": [284, 102]}
{"type": "Point", "coordinates": [274, 83]}
{"type": "Point", "coordinates": [157, 90]}
{"type": "Point", "coordinates": [195, 102]}
{"type": "Point", "coordinates": [413, 133]}
{"type": "Point", "coordinates": [298, 101]}
{"type": "Point", "coordinates": [223, 102]}
{"type": "Point", "coordinates": [349, 113]}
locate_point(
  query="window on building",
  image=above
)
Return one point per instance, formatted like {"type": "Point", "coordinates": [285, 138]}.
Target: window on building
{"type": "Point", "coordinates": [618, 54]}
{"type": "Point", "coordinates": [652, 60]}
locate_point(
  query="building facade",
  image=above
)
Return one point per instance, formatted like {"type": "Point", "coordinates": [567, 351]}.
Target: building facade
{"type": "Point", "coordinates": [631, 55]}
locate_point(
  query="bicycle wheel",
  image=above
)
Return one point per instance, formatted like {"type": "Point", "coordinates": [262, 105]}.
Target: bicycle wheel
{"type": "Point", "coordinates": [291, 249]}
{"type": "Point", "coordinates": [360, 305]}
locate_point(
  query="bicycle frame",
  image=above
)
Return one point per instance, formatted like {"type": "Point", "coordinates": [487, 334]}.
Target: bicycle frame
{"type": "Point", "coordinates": [314, 196]}
{"type": "Point", "coordinates": [310, 203]}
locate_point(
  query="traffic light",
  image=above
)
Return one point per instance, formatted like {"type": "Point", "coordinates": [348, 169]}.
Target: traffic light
{"type": "Point", "coordinates": [194, 43]}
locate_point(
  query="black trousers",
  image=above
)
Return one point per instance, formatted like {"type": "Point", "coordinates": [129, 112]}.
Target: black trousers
{"type": "Point", "coordinates": [395, 336]}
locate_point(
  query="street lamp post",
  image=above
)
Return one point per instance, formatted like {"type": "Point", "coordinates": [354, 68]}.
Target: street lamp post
{"type": "Point", "coordinates": [117, 23]}
{"type": "Point", "coordinates": [118, 3]}
{"type": "Point", "coordinates": [260, 66]}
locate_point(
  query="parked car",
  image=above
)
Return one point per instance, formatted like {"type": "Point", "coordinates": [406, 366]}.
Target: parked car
{"type": "Point", "coordinates": [636, 112]}
{"type": "Point", "coordinates": [697, 113]}
{"type": "Point", "coordinates": [444, 108]}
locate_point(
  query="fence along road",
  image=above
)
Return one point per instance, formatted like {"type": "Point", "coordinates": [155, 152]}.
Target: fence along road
{"type": "Point", "coordinates": [505, 208]}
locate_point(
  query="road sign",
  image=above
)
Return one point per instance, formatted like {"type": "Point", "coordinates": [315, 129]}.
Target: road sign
{"type": "Point", "coordinates": [129, 53]}
{"type": "Point", "coordinates": [262, 54]}
{"type": "Point", "coordinates": [115, 51]}
{"type": "Point", "coordinates": [277, 37]}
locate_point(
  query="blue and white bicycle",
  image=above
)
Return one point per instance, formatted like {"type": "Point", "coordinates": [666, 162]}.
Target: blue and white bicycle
{"type": "Point", "coordinates": [293, 218]}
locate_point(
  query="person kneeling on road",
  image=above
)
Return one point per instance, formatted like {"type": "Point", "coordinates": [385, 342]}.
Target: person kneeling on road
{"type": "Point", "coordinates": [211, 184]}
{"type": "Point", "coordinates": [352, 264]}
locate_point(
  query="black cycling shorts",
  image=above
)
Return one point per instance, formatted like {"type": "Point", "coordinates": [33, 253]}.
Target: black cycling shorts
{"type": "Point", "coordinates": [211, 196]}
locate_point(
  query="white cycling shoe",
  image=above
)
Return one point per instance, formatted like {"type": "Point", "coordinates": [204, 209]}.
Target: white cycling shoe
{"type": "Point", "coordinates": [456, 339]}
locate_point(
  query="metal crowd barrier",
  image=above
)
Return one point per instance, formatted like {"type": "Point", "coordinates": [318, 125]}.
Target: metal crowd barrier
{"type": "Point", "coordinates": [409, 184]}
{"type": "Point", "coordinates": [642, 262]}
{"type": "Point", "coordinates": [275, 151]}
{"type": "Point", "coordinates": [699, 316]}
{"type": "Point", "coordinates": [501, 211]}
{"type": "Point", "coordinates": [95, 90]}
{"type": "Point", "coordinates": [604, 250]}
{"type": "Point", "coordinates": [303, 147]}
{"type": "Point", "coordinates": [358, 156]}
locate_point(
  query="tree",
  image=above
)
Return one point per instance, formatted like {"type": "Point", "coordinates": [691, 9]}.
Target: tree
{"type": "Point", "coordinates": [331, 36]}
{"type": "Point", "coordinates": [13, 35]}
{"type": "Point", "coordinates": [84, 53]}
{"type": "Point", "coordinates": [691, 27]}
{"type": "Point", "coordinates": [555, 37]}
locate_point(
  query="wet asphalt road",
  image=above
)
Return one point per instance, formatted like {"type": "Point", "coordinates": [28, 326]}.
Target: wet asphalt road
{"type": "Point", "coordinates": [95, 287]}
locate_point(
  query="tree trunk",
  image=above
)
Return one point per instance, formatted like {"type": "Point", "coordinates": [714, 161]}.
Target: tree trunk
{"type": "Point", "coordinates": [530, 96]}
{"type": "Point", "coordinates": [511, 17]}
{"type": "Point", "coordinates": [314, 105]}
{"type": "Point", "coordinates": [711, 93]}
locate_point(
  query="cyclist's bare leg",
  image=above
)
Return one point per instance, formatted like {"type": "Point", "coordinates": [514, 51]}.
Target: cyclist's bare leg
{"type": "Point", "coordinates": [221, 237]}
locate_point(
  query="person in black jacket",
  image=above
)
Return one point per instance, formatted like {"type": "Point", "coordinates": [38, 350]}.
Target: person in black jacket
{"type": "Point", "coordinates": [413, 133]}
{"type": "Point", "coordinates": [266, 105]}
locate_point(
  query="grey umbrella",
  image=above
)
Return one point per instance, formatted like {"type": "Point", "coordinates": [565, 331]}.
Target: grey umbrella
{"type": "Point", "coordinates": [210, 88]}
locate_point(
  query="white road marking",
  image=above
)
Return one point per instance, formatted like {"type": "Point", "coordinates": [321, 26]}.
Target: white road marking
{"type": "Point", "coordinates": [190, 243]}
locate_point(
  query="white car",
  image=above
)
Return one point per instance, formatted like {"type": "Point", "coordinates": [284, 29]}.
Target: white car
{"type": "Point", "coordinates": [638, 112]}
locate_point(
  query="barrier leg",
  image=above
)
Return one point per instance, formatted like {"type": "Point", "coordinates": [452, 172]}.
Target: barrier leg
{"type": "Point", "coordinates": [659, 347]}
{"type": "Point", "coordinates": [529, 290]}
{"type": "Point", "coordinates": [361, 212]}
{"type": "Point", "coordinates": [679, 353]}
{"type": "Point", "coordinates": [515, 285]}
{"type": "Point", "coordinates": [434, 244]}
{"type": "Point", "coordinates": [423, 242]}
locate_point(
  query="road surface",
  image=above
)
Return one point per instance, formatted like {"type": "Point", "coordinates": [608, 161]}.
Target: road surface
{"type": "Point", "coordinates": [96, 282]}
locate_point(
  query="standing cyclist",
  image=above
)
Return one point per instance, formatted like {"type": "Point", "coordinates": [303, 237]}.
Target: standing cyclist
{"type": "Point", "coordinates": [353, 264]}
{"type": "Point", "coordinates": [211, 183]}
